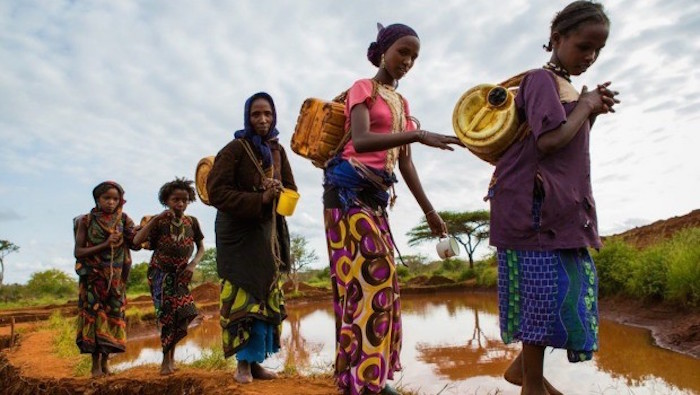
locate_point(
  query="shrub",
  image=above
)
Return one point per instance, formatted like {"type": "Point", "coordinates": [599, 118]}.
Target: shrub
{"type": "Point", "coordinates": [51, 282]}
{"type": "Point", "coordinates": [486, 275]}
{"type": "Point", "coordinates": [403, 272]}
{"type": "Point", "coordinates": [614, 263]}
{"type": "Point", "coordinates": [466, 274]}
{"type": "Point", "coordinates": [452, 265]}
{"type": "Point", "coordinates": [138, 279]}
{"type": "Point", "coordinates": [683, 279]}
{"type": "Point", "coordinates": [649, 274]}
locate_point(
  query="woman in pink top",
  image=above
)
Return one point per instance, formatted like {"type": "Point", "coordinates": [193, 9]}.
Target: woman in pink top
{"type": "Point", "coordinates": [356, 193]}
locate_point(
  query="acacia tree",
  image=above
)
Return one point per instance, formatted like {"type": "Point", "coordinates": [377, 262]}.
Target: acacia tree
{"type": "Point", "coordinates": [6, 247]}
{"type": "Point", "coordinates": [469, 228]}
{"type": "Point", "coordinates": [301, 256]}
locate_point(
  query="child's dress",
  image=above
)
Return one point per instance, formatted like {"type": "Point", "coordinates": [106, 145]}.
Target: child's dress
{"type": "Point", "coordinates": [173, 242]}
{"type": "Point", "coordinates": [102, 284]}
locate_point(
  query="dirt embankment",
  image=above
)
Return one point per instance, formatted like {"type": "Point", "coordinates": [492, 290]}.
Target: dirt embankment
{"type": "Point", "coordinates": [52, 376]}
{"type": "Point", "coordinates": [647, 235]}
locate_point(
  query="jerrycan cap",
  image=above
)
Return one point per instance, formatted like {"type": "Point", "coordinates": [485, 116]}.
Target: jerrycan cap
{"type": "Point", "coordinates": [497, 96]}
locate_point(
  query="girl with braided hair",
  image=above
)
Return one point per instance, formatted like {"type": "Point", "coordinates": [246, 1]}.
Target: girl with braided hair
{"type": "Point", "coordinates": [543, 216]}
{"type": "Point", "coordinates": [360, 246]}
{"type": "Point", "coordinates": [103, 239]}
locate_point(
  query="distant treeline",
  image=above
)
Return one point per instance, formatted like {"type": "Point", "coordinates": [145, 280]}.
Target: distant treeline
{"type": "Point", "coordinates": [667, 271]}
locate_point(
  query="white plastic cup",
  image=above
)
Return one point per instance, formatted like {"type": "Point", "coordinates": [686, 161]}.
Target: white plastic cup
{"type": "Point", "coordinates": [447, 248]}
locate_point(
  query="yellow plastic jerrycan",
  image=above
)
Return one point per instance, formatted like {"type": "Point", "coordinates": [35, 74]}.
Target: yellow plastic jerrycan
{"type": "Point", "coordinates": [485, 118]}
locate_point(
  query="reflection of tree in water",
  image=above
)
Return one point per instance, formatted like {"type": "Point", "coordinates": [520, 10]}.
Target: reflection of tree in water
{"type": "Point", "coordinates": [297, 350]}
{"type": "Point", "coordinates": [479, 356]}
{"type": "Point", "coordinates": [628, 353]}
{"type": "Point", "coordinates": [295, 345]}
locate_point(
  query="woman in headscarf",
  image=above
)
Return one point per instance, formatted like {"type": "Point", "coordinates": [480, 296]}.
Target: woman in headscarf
{"type": "Point", "coordinates": [356, 193]}
{"type": "Point", "coordinates": [252, 240]}
{"type": "Point", "coordinates": [103, 238]}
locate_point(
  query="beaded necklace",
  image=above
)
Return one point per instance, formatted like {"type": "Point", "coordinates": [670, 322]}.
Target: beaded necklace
{"type": "Point", "coordinates": [558, 70]}
{"type": "Point", "coordinates": [177, 229]}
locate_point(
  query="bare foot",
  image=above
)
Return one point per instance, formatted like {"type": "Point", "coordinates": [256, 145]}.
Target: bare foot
{"type": "Point", "coordinates": [105, 365]}
{"type": "Point", "coordinates": [171, 363]}
{"type": "Point", "coordinates": [165, 370]}
{"type": "Point", "coordinates": [243, 374]}
{"type": "Point", "coordinates": [96, 370]}
{"type": "Point", "coordinates": [96, 373]}
{"type": "Point", "coordinates": [514, 375]}
{"type": "Point", "coordinates": [261, 373]}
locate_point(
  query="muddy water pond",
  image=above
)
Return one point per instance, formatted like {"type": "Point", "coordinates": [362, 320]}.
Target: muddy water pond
{"type": "Point", "coordinates": [451, 345]}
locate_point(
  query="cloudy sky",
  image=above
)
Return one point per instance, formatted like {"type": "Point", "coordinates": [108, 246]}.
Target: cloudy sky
{"type": "Point", "coordinates": [139, 91]}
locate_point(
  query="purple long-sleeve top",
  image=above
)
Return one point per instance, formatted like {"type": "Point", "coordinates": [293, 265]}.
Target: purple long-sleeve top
{"type": "Point", "coordinates": [568, 214]}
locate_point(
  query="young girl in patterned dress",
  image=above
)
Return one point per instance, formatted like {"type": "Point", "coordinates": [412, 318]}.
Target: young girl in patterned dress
{"type": "Point", "coordinates": [172, 236]}
{"type": "Point", "coordinates": [103, 238]}
{"type": "Point", "coordinates": [360, 246]}
{"type": "Point", "coordinates": [543, 215]}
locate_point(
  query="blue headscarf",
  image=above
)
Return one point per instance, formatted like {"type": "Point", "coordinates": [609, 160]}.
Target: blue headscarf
{"type": "Point", "coordinates": [249, 133]}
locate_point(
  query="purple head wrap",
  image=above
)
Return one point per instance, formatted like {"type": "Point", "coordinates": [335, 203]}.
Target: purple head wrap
{"type": "Point", "coordinates": [385, 38]}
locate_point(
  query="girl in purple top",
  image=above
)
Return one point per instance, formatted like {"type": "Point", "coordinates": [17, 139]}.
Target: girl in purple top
{"type": "Point", "coordinates": [543, 215]}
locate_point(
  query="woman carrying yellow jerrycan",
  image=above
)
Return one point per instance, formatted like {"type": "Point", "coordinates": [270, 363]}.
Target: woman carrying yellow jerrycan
{"type": "Point", "coordinates": [252, 240]}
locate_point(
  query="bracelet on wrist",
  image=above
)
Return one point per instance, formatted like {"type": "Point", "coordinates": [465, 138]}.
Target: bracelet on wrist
{"type": "Point", "coordinates": [429, 212]}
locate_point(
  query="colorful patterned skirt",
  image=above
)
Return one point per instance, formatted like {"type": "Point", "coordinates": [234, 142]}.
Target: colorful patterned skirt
{"type": "Point", "coordinates": [243, 318]}
{"type": "Point", "coordinates": [365, 298]}
{"type": "Point", "coordinates": [101, 319]}
{"type": "Point", "coordinates": [174, 305]}
{"type": "Point", "coordinates": [549, 298]}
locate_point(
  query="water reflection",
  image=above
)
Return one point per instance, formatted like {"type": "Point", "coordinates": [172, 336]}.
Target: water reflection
{"type": "Point", "coordinates": [452, 345]}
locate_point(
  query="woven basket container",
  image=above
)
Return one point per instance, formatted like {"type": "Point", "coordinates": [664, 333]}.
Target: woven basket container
{"type": "Point", "coordinates": [319, 131]}
{"type": "Point", "coordinates": [201, 174]}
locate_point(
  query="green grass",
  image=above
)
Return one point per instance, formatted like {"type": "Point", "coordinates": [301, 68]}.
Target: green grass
{"type": "Point", "coordinates": [213, 359]}
{"type": "Point", "coordinates": [64, 340]}
{"type": "Point", "coordinates": [64, 343]}
{"type": "Point", "coordinates": [130, 295]}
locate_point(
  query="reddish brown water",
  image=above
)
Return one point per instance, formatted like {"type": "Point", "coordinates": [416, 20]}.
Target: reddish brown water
{"type": "Point", "coordinates": [452, 344]}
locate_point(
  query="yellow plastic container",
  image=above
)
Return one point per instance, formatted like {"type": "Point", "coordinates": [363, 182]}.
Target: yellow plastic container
{"type": "Point", "coordinates": [485, 120]}
{"type": "Point", "coordinates": [288, 202]}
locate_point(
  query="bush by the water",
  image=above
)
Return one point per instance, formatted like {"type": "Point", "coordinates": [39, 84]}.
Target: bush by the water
{"type": "Point", "coordinates": [667, 271]}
